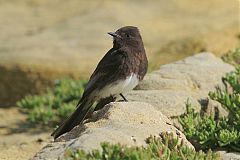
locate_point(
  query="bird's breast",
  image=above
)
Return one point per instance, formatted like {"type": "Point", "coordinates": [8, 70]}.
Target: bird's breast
{"type": "Point", "coordinates": [120, 86]}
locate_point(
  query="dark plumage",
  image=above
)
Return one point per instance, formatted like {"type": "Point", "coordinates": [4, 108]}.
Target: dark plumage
{"type": "Point", "coordinates": [118, 72]}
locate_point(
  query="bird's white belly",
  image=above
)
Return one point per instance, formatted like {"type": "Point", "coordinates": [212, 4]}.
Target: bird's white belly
{"type": "Point", "coordinates": [121, 86]}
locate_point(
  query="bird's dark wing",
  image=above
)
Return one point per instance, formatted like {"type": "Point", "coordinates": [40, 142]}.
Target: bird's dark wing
{"type": "Point", "coordinates": [103, 74]}
{"type": "Point", "coordinates": [105, 71]}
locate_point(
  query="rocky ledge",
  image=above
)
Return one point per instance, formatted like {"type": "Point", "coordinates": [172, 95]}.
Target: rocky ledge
{"type": "Point", "coordinates": [162, 94]}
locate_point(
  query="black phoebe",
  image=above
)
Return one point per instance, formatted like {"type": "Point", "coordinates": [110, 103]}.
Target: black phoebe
{"type": "Point", "coordinates": [118, 72]}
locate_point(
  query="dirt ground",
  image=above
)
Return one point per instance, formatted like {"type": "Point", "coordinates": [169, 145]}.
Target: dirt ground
{"type": "Point", "coordinates": [19, 140]}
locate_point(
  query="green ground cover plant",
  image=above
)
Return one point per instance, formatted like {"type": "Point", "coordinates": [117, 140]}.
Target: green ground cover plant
{"type": "Point", "coordinates": [232, 57]}
{"type": "Point", "coordinates": [55, 105]}
{"type": "Point", "coordinates": [214, 132]}
{"type": "Point", "coordinates": [164, 147]}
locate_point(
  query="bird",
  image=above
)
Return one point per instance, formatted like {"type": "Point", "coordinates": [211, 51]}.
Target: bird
{"type": "Point", "coordinates": [118, 72]}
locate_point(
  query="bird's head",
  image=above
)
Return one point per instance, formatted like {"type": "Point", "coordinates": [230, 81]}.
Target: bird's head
{"type": "Point", "coordinates": [128, 36]}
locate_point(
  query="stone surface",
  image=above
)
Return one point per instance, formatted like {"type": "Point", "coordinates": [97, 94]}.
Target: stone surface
{"type": "Point", "coordinates": [163, 91]}
{"type": "Point", "coordinates": [42, 40]}
{"type": "Point", "coordinates": [192, 78]}
{"type": "Point", "coordinates": [229, 156]}
{"type": "Point", "coordinates": [127, 123]}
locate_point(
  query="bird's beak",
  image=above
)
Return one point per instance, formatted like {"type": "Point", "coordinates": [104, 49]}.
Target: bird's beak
{"type": "Point", "coordinates": [115, 35]}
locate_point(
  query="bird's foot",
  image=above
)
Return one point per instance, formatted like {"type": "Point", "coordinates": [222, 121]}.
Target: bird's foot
{"type": "Point", "coordinates": [124, 99]}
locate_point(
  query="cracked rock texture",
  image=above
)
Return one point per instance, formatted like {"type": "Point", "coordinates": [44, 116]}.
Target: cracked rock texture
{"type": "Point", "coordinates": [162, 93]}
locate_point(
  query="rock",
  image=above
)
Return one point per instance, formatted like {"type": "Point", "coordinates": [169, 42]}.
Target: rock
{"type": "Point", "coordinates": [163, 91]}
{"type": "Point", "coordinates": [201, 72]}
{"type": "Point", "coordinates": [127, 123]}
{"type": "Point", "coordinates": [192, 78]}
{"type": "Point", "coordinates": [229, 155]}
{"type": "Point", "coordinates": [169, 102]}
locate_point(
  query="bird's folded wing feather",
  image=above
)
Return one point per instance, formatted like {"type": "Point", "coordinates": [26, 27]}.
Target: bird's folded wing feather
{"type": "Point", "coordinates": [105, 71]}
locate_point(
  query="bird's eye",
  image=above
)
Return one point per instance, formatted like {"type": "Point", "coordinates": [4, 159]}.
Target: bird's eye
{"type": "Point", "coordinates": [127, 35]}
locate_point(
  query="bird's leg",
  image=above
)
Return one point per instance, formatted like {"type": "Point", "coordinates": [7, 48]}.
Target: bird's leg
{"type": "Point", "coordinates": [123, 97]}
{"type": "Point", "coordinates": [104, 101]}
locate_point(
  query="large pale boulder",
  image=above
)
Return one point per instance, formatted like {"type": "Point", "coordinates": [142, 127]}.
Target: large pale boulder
{"type": "Point", "coordinates": [165, 91]}
{"type": "Point", "coordinates": [127, 123]}
{"type": "Point", "coordinates": [192, 78]}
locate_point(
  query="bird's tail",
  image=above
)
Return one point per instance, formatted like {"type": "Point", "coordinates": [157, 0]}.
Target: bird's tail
{"type": "Point", "coordinates": [75, 119]}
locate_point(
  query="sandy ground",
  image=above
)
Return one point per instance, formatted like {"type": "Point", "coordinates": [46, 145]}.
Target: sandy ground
{"type": "Point", "coordinates": [18, 139]}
